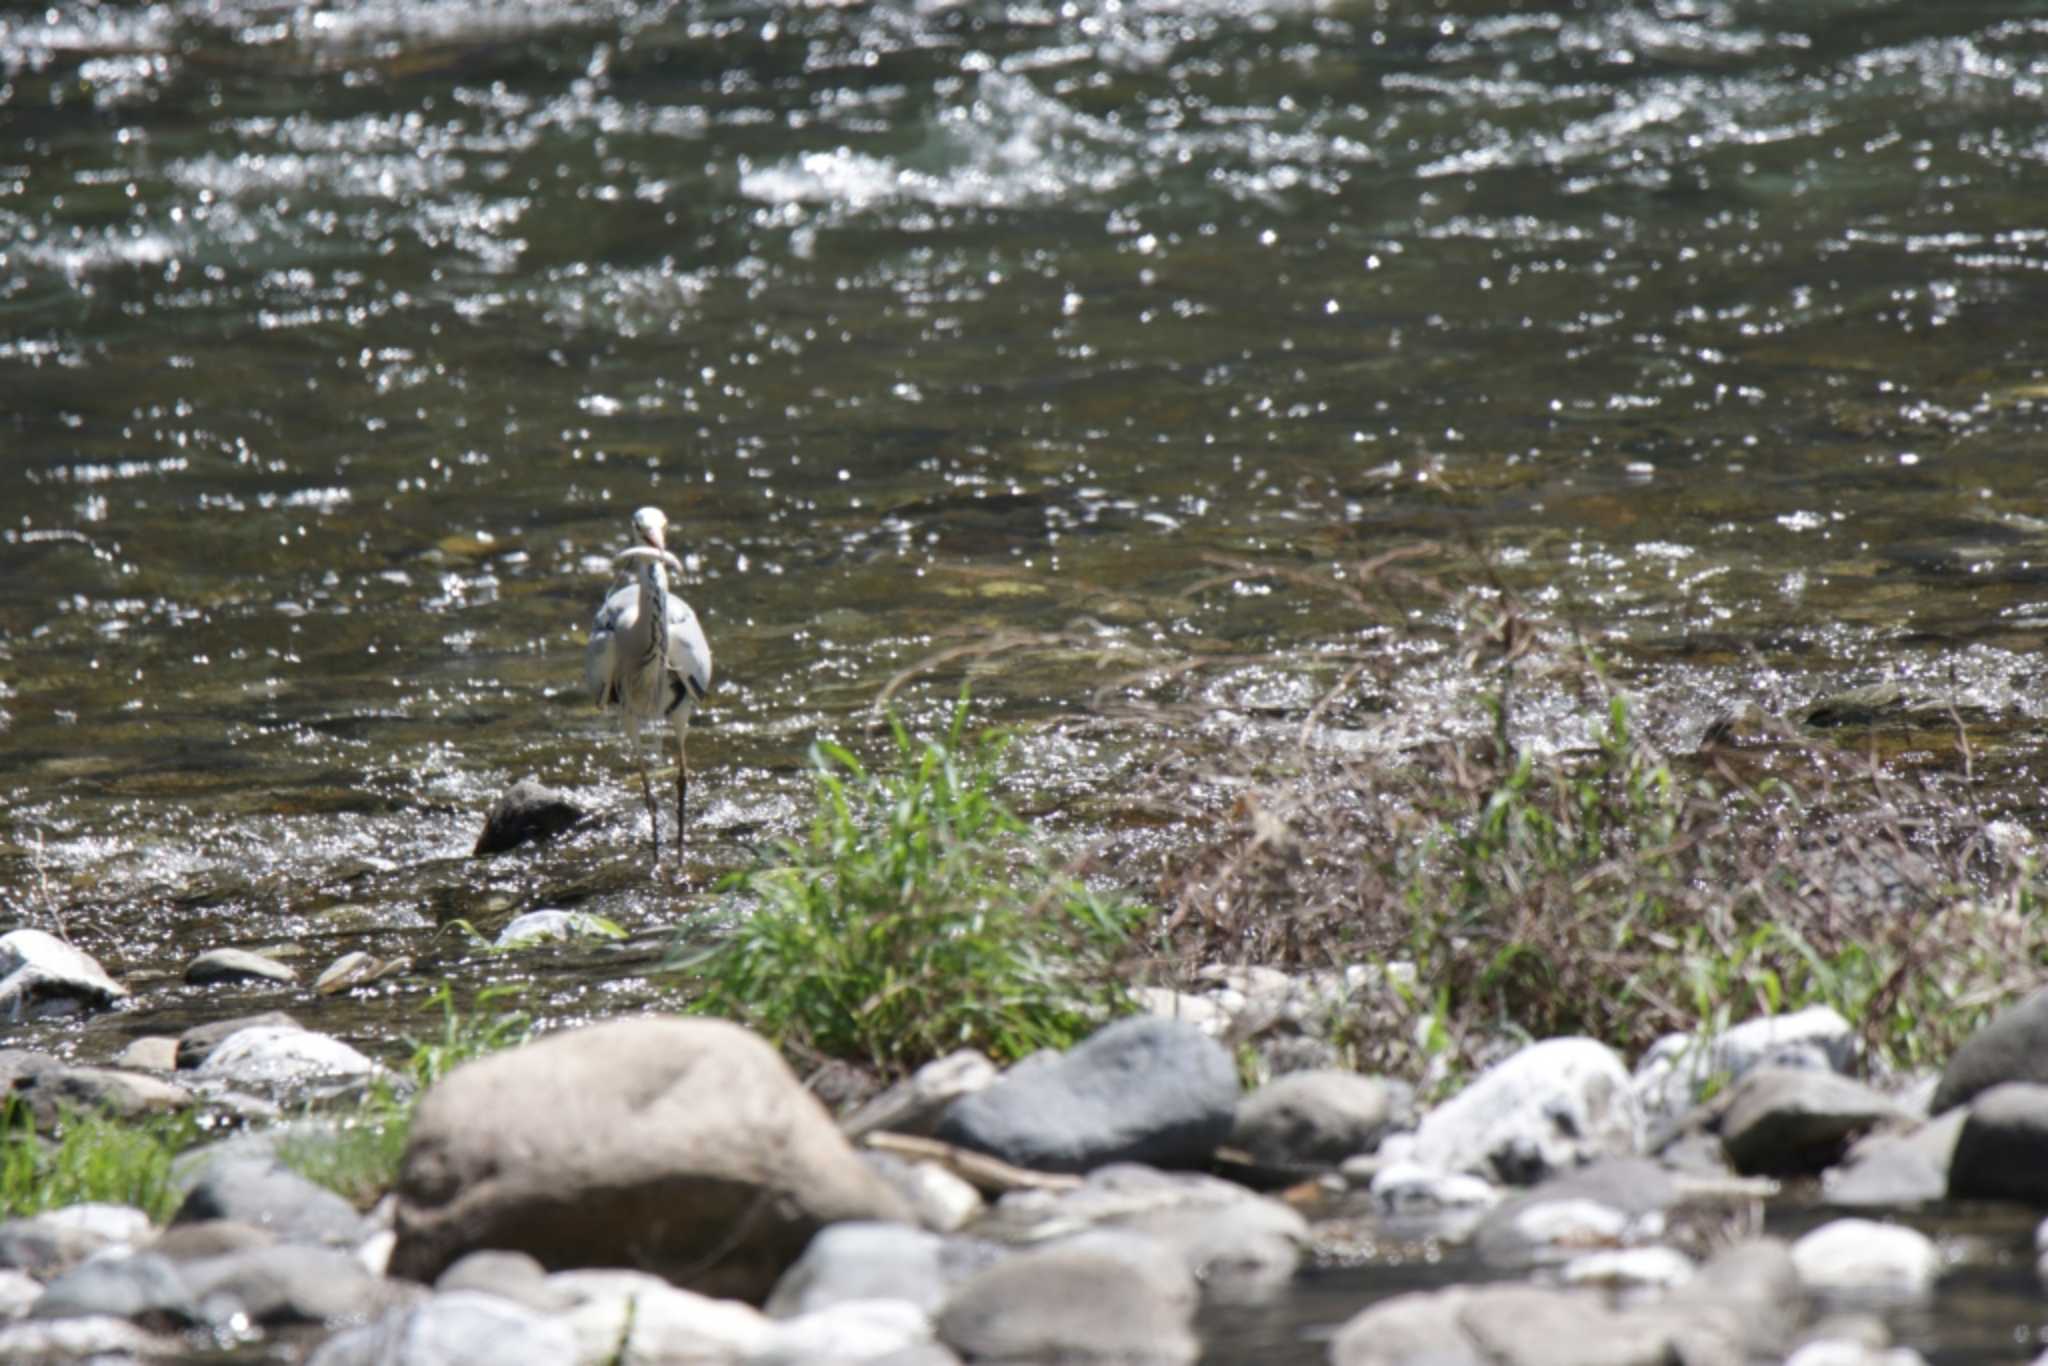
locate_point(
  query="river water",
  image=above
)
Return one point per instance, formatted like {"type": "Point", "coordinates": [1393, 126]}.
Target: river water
{"type": "Point", "coordinates": [337, 341]}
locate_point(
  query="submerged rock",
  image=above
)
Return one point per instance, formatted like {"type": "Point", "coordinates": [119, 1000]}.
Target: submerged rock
{"type": "Point", "coordinates": [237, 965]}
{"type": "Point", "coordinates": [1142, 1089]}
{"type": "Point", "coordinates": [527, 813]}
{"type": "Point", "coordinates": [1076, 1302]}
{"type": "Point", "coordinates": [681, 1146]}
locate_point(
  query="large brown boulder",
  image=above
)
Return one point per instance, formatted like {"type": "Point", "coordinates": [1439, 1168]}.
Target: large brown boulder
{"type": "Point", "coordinates": [678, 1146]}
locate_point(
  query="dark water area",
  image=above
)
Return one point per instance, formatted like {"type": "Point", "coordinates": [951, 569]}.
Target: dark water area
{"type": "Point", "coordinates": [338, 341]}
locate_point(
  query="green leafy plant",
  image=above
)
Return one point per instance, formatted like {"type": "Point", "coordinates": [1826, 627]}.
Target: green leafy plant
{"type": "Point", "coordinates": [916, 916]}
{"type": "Point", "coordinates": [90, 1157]}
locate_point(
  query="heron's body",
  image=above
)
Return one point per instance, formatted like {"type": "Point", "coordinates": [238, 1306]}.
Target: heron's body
{"type": "Point", "coordinates": [648, 657]}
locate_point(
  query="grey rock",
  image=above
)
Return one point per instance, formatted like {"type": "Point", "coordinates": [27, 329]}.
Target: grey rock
{"type": "Point", "coordinates": [854, 1333]}
{"type": "Point", "coordinates": [1142, 1089]}
{"type": "Point", "coordinates": [681, 1146]}
{"type": "Point", "coordinates": [917, 1103]}
{"type": "Point", "coordinates": [515, 1276]}
{"type": "Point", "coordinates": [1317, 1119]}
{"type": "Point", "coordinates": [288, 1283]}
{"type": "Point", "coordinates": [126, 1095]}
{"type": "Point", "coordinates": [1743, 1303]}
{"type": "Point", "coordinates": [1547, 1108]}
{"type": "Point", "coordinates": [50, 1243]}
{"type": "Point", "coordinates": [1677, 1069]}
{"type": "Point", "coordinates": [255, 1189]}
{"type": "Point", "coordinates": [1790, 1122]}
{"type": "Point", "coordinates": [1862, 1258]}
{"type": "Point", "coordinates": [463, 1328]}
{"type": "Point", "coordinates": [236, 965]}
{"type": "Point", "coordinates": [150, 1053]}
{"type": "Point", "coordinates": [94, 1337]}
{"type": "Point", "coordinates": [528, 813]}
{"type": "Point", "coordinates": [1897, 1169]}
{"type": "Point", "coordinates": [2002, 1151]}
{"type": "Point", "coordinates": [204, 1238]}
{"type": "Point", "coordinates": [874, 1261]}
{"type": "Point", "coordinates": [1618, 1202]}
{"type": "Point", "coordinates": [196, 1044]}
{"type": "Point", "coordinates": [1071, 1304]}
{"type": "Point", "coordinates": [1502, 1325]}
{"type": "Point", "coordinates": [1234, 1242]}
{"type": "Point", "coordinates": [40, 973]}
{"type": "Point", "coordinates": [139, 1286]}
{"type": "Point", "coordinates": [2012, 1047]}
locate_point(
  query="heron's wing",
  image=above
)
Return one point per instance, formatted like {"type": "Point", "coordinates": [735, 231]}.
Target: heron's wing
{"type": "Point", "coordinates": [689, 654]}
{"type": "Point", "coordinates": [601, 656]}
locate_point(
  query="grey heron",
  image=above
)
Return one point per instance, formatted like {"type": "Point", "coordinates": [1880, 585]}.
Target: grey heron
{"type": "Point", "coordinates": [648, 657]}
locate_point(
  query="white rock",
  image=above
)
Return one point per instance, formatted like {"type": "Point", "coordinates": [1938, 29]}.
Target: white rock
{"type": "Point", "coordinates": [1550, 1107]}
{"type": "Point", "coordinates": [273, 1056]}
{"type": "Point", "coordinates": [1202, 1012]}
{"type": "Point", "coordinates": [634, 1316]}
{"type": "Point", "coordinates": [460, 1328]}
{"type": "Point", "coordinates": [38, 967]}
{"type": "Point", "coordinates": [1849, 1352]}
{"type": "Point", "coordinates": [849, 1332]}
{"type": "Point", "coordinates": [1674, 1072]}
{"type": "Point", "coordinates": [1409, 1188]}
{"type": "Point", "coordinates": [1864, 1257]}
{"type": "Point", "coordinates": [1658, 1268]}
{"type": "Point", "coordinates": [540, 926]}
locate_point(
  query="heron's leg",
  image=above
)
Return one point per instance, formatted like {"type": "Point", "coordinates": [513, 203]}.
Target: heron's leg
{"type": "Point", "coordinates": [653, 814]}
{"type": "Point", "coordinates": [682, 788]}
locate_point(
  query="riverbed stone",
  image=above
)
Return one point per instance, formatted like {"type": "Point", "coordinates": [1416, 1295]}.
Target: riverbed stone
{"type": "Point", "coordinates": [940, 1200]}
{"type": "Point", "coordinates": [54, 1241]}
{"type": "Point", "coordinates": [1503, 1325]}
{"type": "Point", "coordinates": [2011, 1047]}
{"type": "Point", "coordinates": [41, 974]}
{"type": "Point", "coordinates": [286, 1061]}
{"type": "Point", "coordinates": [54, 1091]}
{"type": "Point", "coordinates": [462, 1328]}
{"type": "Point", "coordinates": [1865, 1258]}
{"type": "Point", "coordinates": [1547, 1108]}
{"type": "Point", "coordinates": [288, 1283]}
{"type": "Point", "coordinates": [230, 964]}
{"type": "Point", "coordinates": [1673, 1073]}
{"type": "Point", "coordinates": [1078, 1302]}
{"type": "Point", "coordinates": [1316, 1119]}
{"type": "Point", "coordinates": [254, 1187]}
{"type": "Point", "coordinates": [517, 1276]}
{"type": "Point", "coordinates": [1894, 1169]}
{"type": "Point", "coordinates": [680, 1146]}
{"type": "Point", "coordinates": [916, 1104]}
{"type": "Point", "coordinates": [1618, 1202]}
{"type": "Point", "coordinates": [1142, 1089]}
{"type": "Point", "coordinates": [528, 812]}
{"type": "Point", "coordinates": [139, 1286]}
{"type": "Point", "coordinates": [150, 1053]}
{"type": "Point", "coordinates": [1781, 1121]}
{"type": "Point", "coordinates": [852, 1333]}
{"type": "Point", "coordinates": [2002, 1151]}
{"type": "Point", "coordinates": [865, 1260]}
{"type": "Point", "coordinates": [196, 1044]}
{"type": "Point", "coordinates": [93, 1337]}
{"type": "Point", "coordinates": [634, 1316]}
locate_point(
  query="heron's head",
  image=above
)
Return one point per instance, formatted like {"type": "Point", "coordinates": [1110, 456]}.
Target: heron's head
{"type": "Point", "coordinates": [650, 528]}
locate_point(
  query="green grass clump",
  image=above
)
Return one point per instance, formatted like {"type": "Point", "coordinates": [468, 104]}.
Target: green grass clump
{"type": "Point", "coordinates": [91, 1157]}
{"type": "Point", "coordinates": [917, 915]}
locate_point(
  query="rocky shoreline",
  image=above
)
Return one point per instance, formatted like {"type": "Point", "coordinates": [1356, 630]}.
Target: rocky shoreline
{"type": "Point", "coordinates": [665, 1189]}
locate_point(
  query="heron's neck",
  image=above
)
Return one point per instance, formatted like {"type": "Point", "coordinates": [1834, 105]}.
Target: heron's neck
{"type": "Point", "coordinates": [654, 598]}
